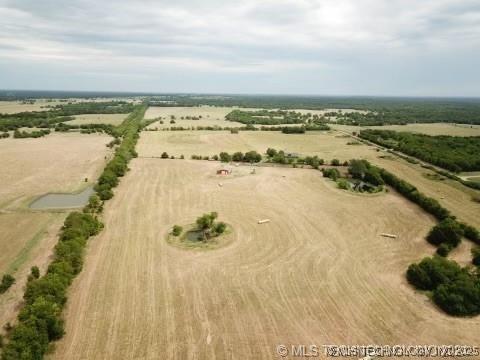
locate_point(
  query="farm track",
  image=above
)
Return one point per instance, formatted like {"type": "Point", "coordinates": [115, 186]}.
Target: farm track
{"type": "Point", "coordinates": [318, 273]}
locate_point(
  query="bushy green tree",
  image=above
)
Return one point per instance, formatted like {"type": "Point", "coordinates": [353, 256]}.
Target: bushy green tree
{"type": "Point", "coordinates": [448, 231]}
{"type": "Point", "coordinates": [7, 281]}
{"type": "Point", "coordinates": [225, 157]}
{"type": "Point", "coordinates": [238, 156]}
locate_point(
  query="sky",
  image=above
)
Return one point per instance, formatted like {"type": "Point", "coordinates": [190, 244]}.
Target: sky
{"type": "Point", "coordinates": [316, 47]}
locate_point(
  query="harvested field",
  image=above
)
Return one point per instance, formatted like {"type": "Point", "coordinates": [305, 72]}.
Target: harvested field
{"type": "Point", "coordinates": [30, 168]}
{"type": "Point", "coordinates": [318, 273]}
{"type": "Point", "coordinates": [428, 129]}
{"type": "Point", "coordinates": [211, 116]}
{"type": "Point", "coordinates": [11, 107]}
{"type": "Point", "coordinates": [56, 163]}
{"type": "Point", "coordinates": [324, 144]}
{"type": "Point", "coordinates": [109, 119]}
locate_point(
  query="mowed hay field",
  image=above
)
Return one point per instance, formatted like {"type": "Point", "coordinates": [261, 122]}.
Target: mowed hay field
{"type": "Point", "coordinates": [318, 273]}
{"type": "Point", "coordinates": [433, 129]}
{"type": "Point", "coordinates": [211, 116]}
{"type": "Point", "coordinates": [109, 119]}
{"type": "Point", "coordinates": [30, 168]}
{"type": "Point", "coordinates": [326, 145]}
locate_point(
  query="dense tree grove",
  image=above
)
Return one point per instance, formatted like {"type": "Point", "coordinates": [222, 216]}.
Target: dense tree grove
{"type": "Point", "coordinates": [379, 111]}
{"type": "Point", "coordinates": [61, 113]}
{"type": "Point", "coordinates": [39, 321]}
{"type": "Point", "coordinates": [453, 153]}
{"type": "Point", "coordinates": [455, 290]}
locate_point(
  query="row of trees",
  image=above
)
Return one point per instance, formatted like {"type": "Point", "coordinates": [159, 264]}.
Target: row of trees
{"type": "Point", "coordinates": [249, 156]}
{"type": "Point", "coordinates": [30, 134]}
{"type": "Point", "coordinates": [40, 321]}
{"type": "Point", "coordinates": [61, 113]}
{"type": "Point", "coordinates": [118, 166]}
{"type": "Point", "coordinates": [454, 153]}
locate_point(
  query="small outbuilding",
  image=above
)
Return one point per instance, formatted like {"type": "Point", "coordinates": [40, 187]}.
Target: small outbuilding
{"type": "Point", "coordinates": [223, 172]}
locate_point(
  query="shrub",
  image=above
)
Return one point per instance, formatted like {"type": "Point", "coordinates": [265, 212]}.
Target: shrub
{"type": "Point", "coordinates": [335, 162]}
{"type": "Point", "coordinates": [164, 155]}
{"type": "Point", "coordinates": [444, 249]}
{"type": "Point", "coordinates": [476, 256]}
{"type": "Point", "coordinates": [220, 227]}
{"type": "Point", "coordinates": [177, 230]}
{"type": "Point", "coordinates": [343, 184]}
{"type": "Point", "coordinates": [7, 281]}
{"type": "Point", "coordinates": [448, 231]}
{"type": "Point", "coordinates": [333, 174]}
{"type": "Point", "coordinates": [35, 272]}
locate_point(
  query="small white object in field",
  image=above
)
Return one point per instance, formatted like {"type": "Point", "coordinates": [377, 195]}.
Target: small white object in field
{"type": "Point", "coordinates": [263, 221]}
{"type": "Point", "coordinates": [389, 235]}
{"type": "Point", "coordinates": [220, 184]}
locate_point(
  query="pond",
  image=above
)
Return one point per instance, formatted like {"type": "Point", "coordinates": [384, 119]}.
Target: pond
{"type": "Point", "coordinates": [62, 201]}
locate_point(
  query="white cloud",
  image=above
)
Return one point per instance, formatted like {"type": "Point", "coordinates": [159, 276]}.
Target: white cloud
{"type": "Point", "coordinates": [270, 37]}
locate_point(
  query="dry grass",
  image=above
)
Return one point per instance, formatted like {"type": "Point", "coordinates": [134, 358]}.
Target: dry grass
{"type": "Point", "coordinates": [325, 145]}
{"type": "Point", "coordinates": [11, 107]}
{"type": "Point", "coordinates": [56, 163]}
{"type": "Point", "coordinates": [319, 273]}
{"type": "Point", "coordinates": [30, 168]}
{"type": "Point", "coordinates": [109, 119]}
{"type": "Point", "coordinates": [428, 129]}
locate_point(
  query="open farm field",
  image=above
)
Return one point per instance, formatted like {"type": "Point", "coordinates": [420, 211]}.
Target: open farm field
{"type": "Point", "coordinates": [318, 273]}
{"type": "Point", "coordinates": [11, 107]}
{"type": "Point", "coordinates": [326, 145]}
{"type": "Point", "coordinates": [59, 162]}
{"type": "Point", "coordinates": [30, 168]}
{"type": "Point", "coordinates": [109, 119]}
{"type": "Point", "coordinates": [427, 129]}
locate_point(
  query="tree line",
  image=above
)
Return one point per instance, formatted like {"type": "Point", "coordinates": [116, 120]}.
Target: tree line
{"type": "Point", "coordinates": [61, 113]}
{"type": "Point", "coordinates": [453, 153]}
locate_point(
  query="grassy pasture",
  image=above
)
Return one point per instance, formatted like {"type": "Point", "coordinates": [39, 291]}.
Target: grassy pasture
{"type": "Point", "coordinates": [427, 129]}
{"type": "Point", "coordinates": [324, 144]}
{"type": "Point", "coordinates": [30, 168]}
{"type": "Point", "coordinates": [109, 119]}
{"type": "Point", "coordinates": [11, 107]}
{"type": "Point", "coordinates": [304, 278]}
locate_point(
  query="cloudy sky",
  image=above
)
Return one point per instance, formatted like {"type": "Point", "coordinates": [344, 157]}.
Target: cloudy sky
{"type": "Point", "coordinates": [323, 47]}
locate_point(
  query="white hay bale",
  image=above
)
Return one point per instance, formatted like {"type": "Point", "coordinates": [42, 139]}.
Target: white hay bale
{"type": "Point", "coordinates": [220, 184]}
{"type": "Point", "coordinates": [263, 221]}
{"type": "Point", "coordinates": [389, 235]}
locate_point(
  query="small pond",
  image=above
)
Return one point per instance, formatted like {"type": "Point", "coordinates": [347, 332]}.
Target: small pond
{"type": "Point", "coordinates": [62, 201]}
